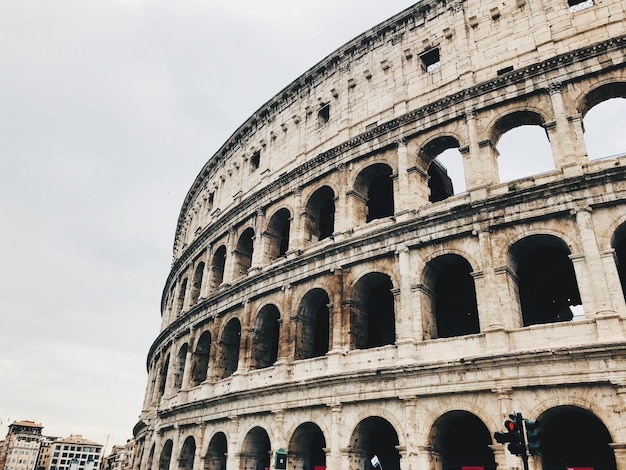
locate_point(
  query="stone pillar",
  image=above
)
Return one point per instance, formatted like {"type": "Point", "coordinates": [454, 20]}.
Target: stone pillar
{"type": "Point", "coordinates": [599, 303]}
{"type": "Point", "coordinates": [231, 246]}
{"type": "Point", "coordinates": [410, 457]}
{"type": "Point", "coordinates": [613, 283]}
{"type": "Point", "coordinates": [406, 194]}
{"type": "Point", "coordinates": [234, 442]}
{"type": "Point", "coordinates": [334, 460]}
{"type": "Point", "coordinates": [338, 332]}
{"type": "Point", "coordinates": [480, 160]}
{"type": "Point", "coordinates": [405, 305]}
{"type": "Point", "coordinates": [343, 214]}
{"type": "Point", "coordinates": [619, 450]}
{"type": "Point", "coordinates": [490, 303]}
{"type": "Point", "coordinates": [298, 219]}
{"type": "Point", "coordinates": [258, 252]}
{"type": "Point", "coordinates": [565, 135]}
{"type": "Point", "coordinates": [287, 326]}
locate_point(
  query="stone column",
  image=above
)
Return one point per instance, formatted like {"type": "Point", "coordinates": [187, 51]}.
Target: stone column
{"type": "Point", "coordinates": [410, 459]}
{"type": "Point", "coordinates": [619, 450]}
{"type": "Point", "coordinates": [231, 246]}
{"type": "Point", "coordinates": [287, 326]}
{"type": "Point", "coordinates": [405, 308]}
{"type": "Point", "coordinates": [296, 242]}
{"type": "Point", "coordinates": [258, 252]}
{"type": "Point", "coordinates": [338, 328]}
{"type": "Point", "coordinates": [480, 159]}
{"type": "Point", "coordinates": [599, 302]}
{"type": "Point", "coordinates": [343, 214]}
{"type": "Point", "coordinates": [334, 455]}
{"type": "Point", "coordinates": [406, 194]}
{"type": "Point", "coordinates": [565, 135]}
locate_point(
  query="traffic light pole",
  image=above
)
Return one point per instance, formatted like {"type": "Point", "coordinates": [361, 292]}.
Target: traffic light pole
{"type": "Point", "coordinates": [515, 436]}
{"type": "Point", "coordinates": [519, 421]}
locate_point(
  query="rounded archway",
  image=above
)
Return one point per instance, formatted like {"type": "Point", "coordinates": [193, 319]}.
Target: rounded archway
{"type": "Point", "coordinates": [313, 325]}
{"type": "Point", "coordinates": [216, 453]}
{"type": "Point", "coordinates": [255, 450]}
{"type": "Point", "coordinates": [374, 436]}
{"type": "Point", "coordinates": [460, 439]}
{"type": "Point", "coordinates": [306, 448]}
{"type": "Point", "coordinates": [374, 315]}
{"type": "Point", "coordinates": [573, 437]}
{"type": "Point", "coordinates": [187, 454]}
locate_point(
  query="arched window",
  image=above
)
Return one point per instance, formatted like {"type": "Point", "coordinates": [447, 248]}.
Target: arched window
{"type": "Point", "coordinates": [187, 454]}
{"type": "Point", "coordinates": [461, 439]}
{"type": "Point", "coordinates": [313, 320]}
{"type": "Point", "coordinates": [604, 111]}
{"type": "Point", "coordinates": [445, 168]}
{"type": "Point", "coordinates": [375, 436]}
{"type": "Point", "coordinates": [266, 341]}
{"type": "Point", "coordinates": [243, 252]}
{"type": "Point", "coordinates": [166, 455]}
{"type": "Point", "coordinates": [574, 437]}
{"type": "Point", "coordinates": [229, 349]}
{"type": "Point", "coordinates": [255, 450]}
{"type": "Point", "coordinates": [181, 297]}
{"type": "Point", "coordinates": [163, 375]}
{"type": "Point", "coordinates": [196, 285]}
{"type": "Point", "coordinates": [375, 185]}
{"type": "Point", "coordinates": [217, 267]}
{"type": "Point", "coordinates": [454, 307]}
{"type": "Point", "coordinates": [201, 359]}
{"type": "Point", "coordinates": [320, 214]}
{"type": "Point", "coordinates": [523, 146]}
{"type": "Point", "coordinates": [307, 448]}
{"type": "Point", "coordinates": [179, 370]}
{"type": "Point", "coordinates": [216, 454]}
{"type": "Point", "coordinates": [278, 234]}
{"type": "Point", "coordinates": [374, 317]}
{"type": "Point", "coordinates": [546, 280]}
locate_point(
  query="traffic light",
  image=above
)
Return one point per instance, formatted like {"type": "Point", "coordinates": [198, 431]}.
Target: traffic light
{"type": "Point", "coordinates": [533, 435]}
{"type": "Point", "coordinates": [514, 435]}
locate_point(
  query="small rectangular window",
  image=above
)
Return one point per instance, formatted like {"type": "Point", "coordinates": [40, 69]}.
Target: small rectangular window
{"type": "Point", "coordinates": [431, 60]}
{"type": "Point", "coordinates": [577, 5]}
{"type": "Point", "coordinates": [255, 161]}
{"type": "Point", "coordinates": [323, 115]}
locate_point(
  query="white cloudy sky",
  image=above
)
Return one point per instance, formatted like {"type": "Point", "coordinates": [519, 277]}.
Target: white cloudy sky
{"type": "Point", "coordinates": [108, 110]}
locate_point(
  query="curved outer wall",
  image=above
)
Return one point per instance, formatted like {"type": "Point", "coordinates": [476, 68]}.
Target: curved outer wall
{"type": "Point", "coordinates": [326, 299]}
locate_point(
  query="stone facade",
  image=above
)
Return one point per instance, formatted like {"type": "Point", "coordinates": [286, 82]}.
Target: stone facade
{"type": "Point", "coordinates": [331, 296]}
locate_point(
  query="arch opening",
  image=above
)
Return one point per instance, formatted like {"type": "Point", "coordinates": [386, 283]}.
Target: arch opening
{"type": "Point", "coordinates": [179, 370]}
{"type": "Point", "coordinates": [547, 284]}
{"type": "Point", "coordinates": [266, 337]}
{"type": "Point", "coordinates": [312, 339]}
{"type": "Point", "coordinates": [255, 451]}
{"type": "Point", "coordinates": [454, 306]}
{"type": "Point", "coordinates": [166, 455]}
{"type": "Point", "coordinates": [320, 214]}
{"type": "Point", "coordinates": [461, 439]}
{"type": "Point", "coordinates": [604, 121]}
{"type": "Point", "coordinates": [217, 267]}
{"type": "Point", "coordinates": [187, 454]}
{"type": "Point", "coordinates": [278, 234]}
{"type": "Point", "coordinates": [196, 284]}
{"type": "Point", "coordinates": [307, 448]}
{"type": "Point", "coordinates": [375, 185]}
{"type": "Point", "coordinates": [375, 436]}
{"type": "Point", "coordinates": [216, 453]}
{"type": "Point", "coordinates": [201, 359]}
{"type": "Point", "coordinates": [373, 312]}
{"type": "Point", "coordinates": [229, 349]}
{"type": "Point", "coordinates": [243, 252]}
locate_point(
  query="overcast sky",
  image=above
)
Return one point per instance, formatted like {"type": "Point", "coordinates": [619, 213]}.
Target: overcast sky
{"type": "Point", "coordinates": [108, 111]}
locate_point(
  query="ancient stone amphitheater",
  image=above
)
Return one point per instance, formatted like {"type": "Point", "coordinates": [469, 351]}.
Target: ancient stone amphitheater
{"type": "Point", "coordinates": [337, 293]}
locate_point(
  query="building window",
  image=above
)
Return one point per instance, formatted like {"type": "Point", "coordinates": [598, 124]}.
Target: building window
{"type": "Point", "coordinates": [577, 5]}
{"type": "Point", "coordinates": [323, 115]}
{"type": "Point", "coordinates": [255, 161]}
{"type": "Point", "coordinates": [431, 60]}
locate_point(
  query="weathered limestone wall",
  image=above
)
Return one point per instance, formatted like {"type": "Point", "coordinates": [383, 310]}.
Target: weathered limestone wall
{"type": "Point", "coordinates": [240, 367]}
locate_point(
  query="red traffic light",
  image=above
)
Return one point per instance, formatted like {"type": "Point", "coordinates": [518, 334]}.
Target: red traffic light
{"type": "Point", "coordinates": [510, 425]}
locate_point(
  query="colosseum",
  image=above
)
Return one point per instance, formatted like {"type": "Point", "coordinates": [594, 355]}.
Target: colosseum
{"type": "Point", "coordinates": [340, 298]}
